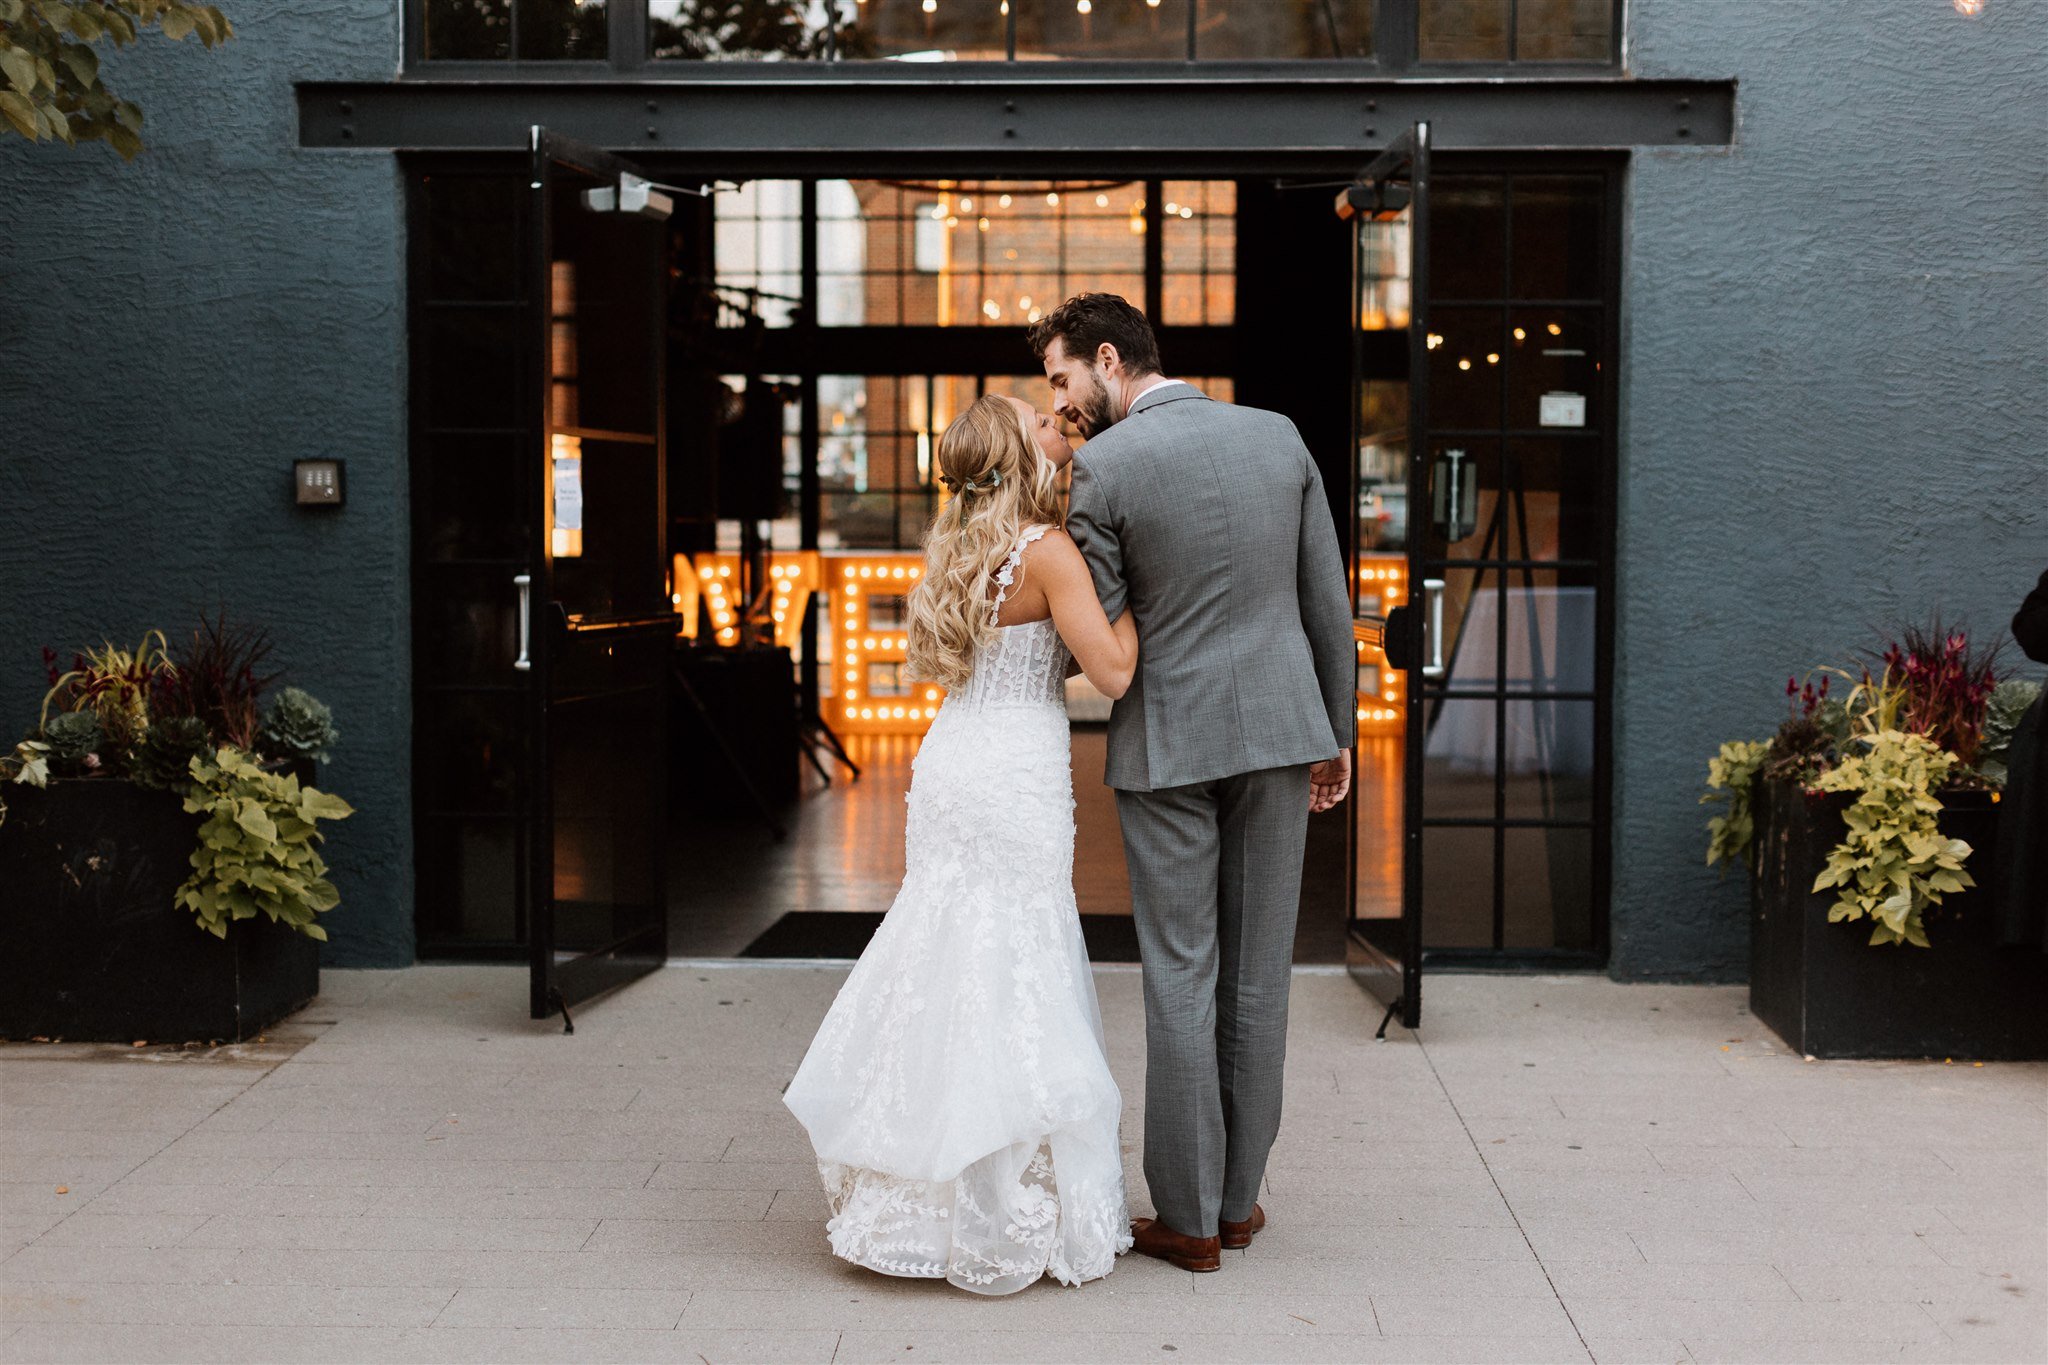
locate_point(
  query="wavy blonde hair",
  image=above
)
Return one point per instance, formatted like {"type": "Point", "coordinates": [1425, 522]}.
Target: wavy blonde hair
{"type": "Point", "coordinates": [1002, 484]}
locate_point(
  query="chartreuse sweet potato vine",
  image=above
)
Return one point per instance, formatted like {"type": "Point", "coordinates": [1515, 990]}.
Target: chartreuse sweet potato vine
{"type": "Point", "coordinates": [258, 849]}
{"type": "Point", "coordinates": [1895, 862]}
{"type": "Point", "coordinates": [1730, 778]}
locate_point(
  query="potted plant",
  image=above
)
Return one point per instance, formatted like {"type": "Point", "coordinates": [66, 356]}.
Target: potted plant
{"type": "Point", "coordinates": [160, 846]}
{"type": "Point", "coordinates": [1861, 821]}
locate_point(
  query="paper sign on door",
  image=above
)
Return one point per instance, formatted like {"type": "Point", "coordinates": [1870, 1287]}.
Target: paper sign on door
{"type": "Point", "coordinates": [1558, 409]}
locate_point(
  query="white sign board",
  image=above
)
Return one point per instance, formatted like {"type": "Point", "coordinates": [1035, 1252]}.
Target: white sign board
{"type": "Point", "coordinates": [1557, 409]}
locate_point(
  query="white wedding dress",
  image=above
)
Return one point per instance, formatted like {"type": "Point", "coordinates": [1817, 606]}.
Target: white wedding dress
{"type": "Point", "coordinates": [957, 1095]}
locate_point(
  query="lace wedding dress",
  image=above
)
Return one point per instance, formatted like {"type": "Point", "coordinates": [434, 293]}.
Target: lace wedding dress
{"type": "Point", "coordinates": [957, 1095]}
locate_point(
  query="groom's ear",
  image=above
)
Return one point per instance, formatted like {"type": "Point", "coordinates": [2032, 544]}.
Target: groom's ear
{"type": "Point", "coordinates": [1106, 356]}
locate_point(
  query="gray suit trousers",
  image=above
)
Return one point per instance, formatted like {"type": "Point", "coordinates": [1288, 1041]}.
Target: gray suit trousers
{"type": "Point", "coordinates": [1215, 884]}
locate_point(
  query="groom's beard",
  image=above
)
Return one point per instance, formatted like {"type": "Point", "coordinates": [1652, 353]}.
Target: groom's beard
{"type": "Point", "coordinates": [1094, 412]}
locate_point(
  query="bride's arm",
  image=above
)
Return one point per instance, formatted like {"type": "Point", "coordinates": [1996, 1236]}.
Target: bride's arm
{"type": "Point", "coordinates": [1107, 653]}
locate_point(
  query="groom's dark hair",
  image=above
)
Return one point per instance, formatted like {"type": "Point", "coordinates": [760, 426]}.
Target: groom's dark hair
{"type": "Point", "coordinates": [1085, 321]}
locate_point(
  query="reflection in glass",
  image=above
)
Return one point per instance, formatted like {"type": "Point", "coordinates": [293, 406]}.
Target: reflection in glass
{"type": "Point", "coordinates": [1107, 30]}
{"type": "Point", "coordinates": [469, 30]}
{"type": "Point", "coordinates": [1515, 30]}
{"type": "Point", "coordinates": [1463, 30]}
{"type": "Point", "coordinates": [1458, 759]}
{"type": "Point", "coordinates": [1547, 899]}
{"type": "Point", "coordinates": [1457, 888]}
{"type": "Point", "coordinates": [1474, 533]}
{"type": "Point", "coordinates": [1564, 30]}
{"type": "Point", "coordinates": [467, 873]}
{"type": "Point", "coordinates": [719, 31]}
{"type": "Point", "coordinates": [1554, 353]}
{"type": "Point", "coordinates": [1281, 30]}
{"type": "Point", "coordinates": [924, 30]}
{"type": "Point", "coordinates": [1384, 273]}
{"type": "Point", "coordinates": [1555, 242]}
{"type": "Point", "coordinates": [1549, 774]}
{"type": "Point", "coordinates": [562, 30]}
{"type": "Point", "coordinates": [1464, 347]}
{"type": "Point", "coordinates": [1466, 225]}
{"type": "Point", "coordinates": [1558, 482]}
{"type": "Point", "coordinates": [472, 250]}
{"type": "Point", "coordinates": [1551, 627]}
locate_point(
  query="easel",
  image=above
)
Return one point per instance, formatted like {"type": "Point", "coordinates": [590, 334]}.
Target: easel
{"type": "Point", "coordinates": [1513, 489]}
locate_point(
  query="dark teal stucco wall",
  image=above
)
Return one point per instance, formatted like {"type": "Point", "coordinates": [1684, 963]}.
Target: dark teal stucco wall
{"type": "Point", "coordinates": [1833, 391]}
{"type": "Point", "coordinates": [1835, 415]}
{"type": "Point", "coordinates": [173, 333]}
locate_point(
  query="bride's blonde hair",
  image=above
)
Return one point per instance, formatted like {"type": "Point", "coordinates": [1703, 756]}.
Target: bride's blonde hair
{"type": "Point", "coordinates": [1001, 484]}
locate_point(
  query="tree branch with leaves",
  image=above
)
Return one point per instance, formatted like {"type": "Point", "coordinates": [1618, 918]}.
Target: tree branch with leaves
{"type": "Point", "coordinates": [50, 86]}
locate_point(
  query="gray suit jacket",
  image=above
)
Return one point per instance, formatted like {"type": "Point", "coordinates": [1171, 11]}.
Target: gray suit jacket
{"type": "Point", "coordinates": [1208, 521]}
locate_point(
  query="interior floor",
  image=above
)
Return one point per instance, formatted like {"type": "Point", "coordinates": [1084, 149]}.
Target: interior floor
{"type": "Point", "coordinates": [731, 881]}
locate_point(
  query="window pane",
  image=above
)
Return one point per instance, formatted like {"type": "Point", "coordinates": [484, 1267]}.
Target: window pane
{"type": "Point", "coordinates": [966, 254]}
{"type": "Point", "coordinates": [469, 30]}
{"type": "Point", "coordinates": [472, 229]}
{"type": "Point", "coordinates": [1560, 480]}
{"type": "Point", "coordinates": [1457, 888]}
{"type": "Point", "coordinates": [1464, 367]}
{"type": "Point", "coordinates": [562, 30]}
{"type": "Point", "coordinates": [1548, 889]}
{"type": "Point", "coordinates": [1556, 238]}
{"type": "Point", "coordinates": [1198, 245]}
{"type": "Point", "coordinates": [759, 251]}
{"type": "Point", "coordinates": [1564, 30]}
{"type": "Point", "coordinates": [1120, 30]}
{"type": "Point", "coordinates": [1554, 367]}
{"type": "Point", "coordinates": [924, 30]}
{"type": "Point", "coordinates": [1552, 623]}
{"type": "Point", "coordinates": [1462, 31]}
{"type": "Point", "coordinates": [1271, 30]}
{"type": "Point", "coordinates": [1467, 220]}
{"type": "Point", "coordinates": [1549, 760]}
{"type": "Point", "coordinates": [702, 31]}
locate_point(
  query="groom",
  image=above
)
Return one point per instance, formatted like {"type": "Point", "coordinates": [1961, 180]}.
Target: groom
{"type": "Point", "coordinates": [1208, 521]}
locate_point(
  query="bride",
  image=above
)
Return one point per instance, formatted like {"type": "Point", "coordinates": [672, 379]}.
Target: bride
{"type": "Point", "coordinates": [957, 1095]}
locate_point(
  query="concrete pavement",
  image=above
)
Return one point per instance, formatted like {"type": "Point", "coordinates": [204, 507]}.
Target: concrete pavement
{"type": "Point", "coordinates": [1554, 1169]}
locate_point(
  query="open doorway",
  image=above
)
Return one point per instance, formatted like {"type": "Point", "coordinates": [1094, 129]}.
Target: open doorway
{"type": "Point", "coordinates": [819, 336]}
{"type": "Point", "coordinates": [850, 321]}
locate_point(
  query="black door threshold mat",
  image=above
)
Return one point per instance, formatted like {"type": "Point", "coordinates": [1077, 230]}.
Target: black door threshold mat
{"type": "Point", "coordinates": [845, 933]}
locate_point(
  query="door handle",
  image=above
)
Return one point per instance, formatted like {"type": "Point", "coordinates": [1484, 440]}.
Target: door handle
{"type": "Point", "coordinates": [524, 582]}
{"type": "Point", "coordinates": [1433, 626]}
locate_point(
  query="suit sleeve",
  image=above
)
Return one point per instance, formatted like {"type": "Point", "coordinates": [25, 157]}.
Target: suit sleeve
{"type": "Point", "coordinates": [1094, 527]}
{"type": "Point", "coordinates": [1326, 607]}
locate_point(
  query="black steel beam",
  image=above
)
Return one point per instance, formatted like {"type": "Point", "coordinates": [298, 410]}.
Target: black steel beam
{"type": "Point", "coordinates": [1130, 122]}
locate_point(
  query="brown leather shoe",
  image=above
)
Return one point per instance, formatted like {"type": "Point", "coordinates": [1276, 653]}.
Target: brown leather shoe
{"type": "Point", "coordinates": [1238, 1236]}
{"type": "Point", "coordinates": [1150, 1237]}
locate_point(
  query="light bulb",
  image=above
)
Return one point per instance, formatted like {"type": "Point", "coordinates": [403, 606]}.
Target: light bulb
{"type": "Point", "coordinates": [1053, 198]}
{"type": "Point", "coordinates": [931, 6]}
{"type": "Point", "coordinates": [1084, 6]}
{"type": "Point", "coordinates": [1102, 201]}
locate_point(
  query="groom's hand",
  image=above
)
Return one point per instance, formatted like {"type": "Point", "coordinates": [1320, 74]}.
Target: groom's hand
{"type": "Point", "coordinates": [1327, 782]}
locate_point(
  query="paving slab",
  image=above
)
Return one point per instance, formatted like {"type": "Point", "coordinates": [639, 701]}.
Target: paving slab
{"type": "Point", "coordinates": [1553, 1169]}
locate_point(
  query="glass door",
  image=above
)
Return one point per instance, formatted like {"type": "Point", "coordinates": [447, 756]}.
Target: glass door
{"type": "Point", "coordinates": [1389, 210]}
{"type": "Point", "coordinates": [597, 628]}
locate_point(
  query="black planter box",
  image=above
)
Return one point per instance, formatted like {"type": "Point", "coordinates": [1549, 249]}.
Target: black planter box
{"type": "Point", "coordinates": [92, 946]}
{"type": "Point", "coordinates": [1826, 991]}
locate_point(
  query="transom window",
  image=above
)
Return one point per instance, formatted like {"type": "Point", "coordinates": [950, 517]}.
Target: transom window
{"type": "Point", "coordinates": [1394, 34]}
